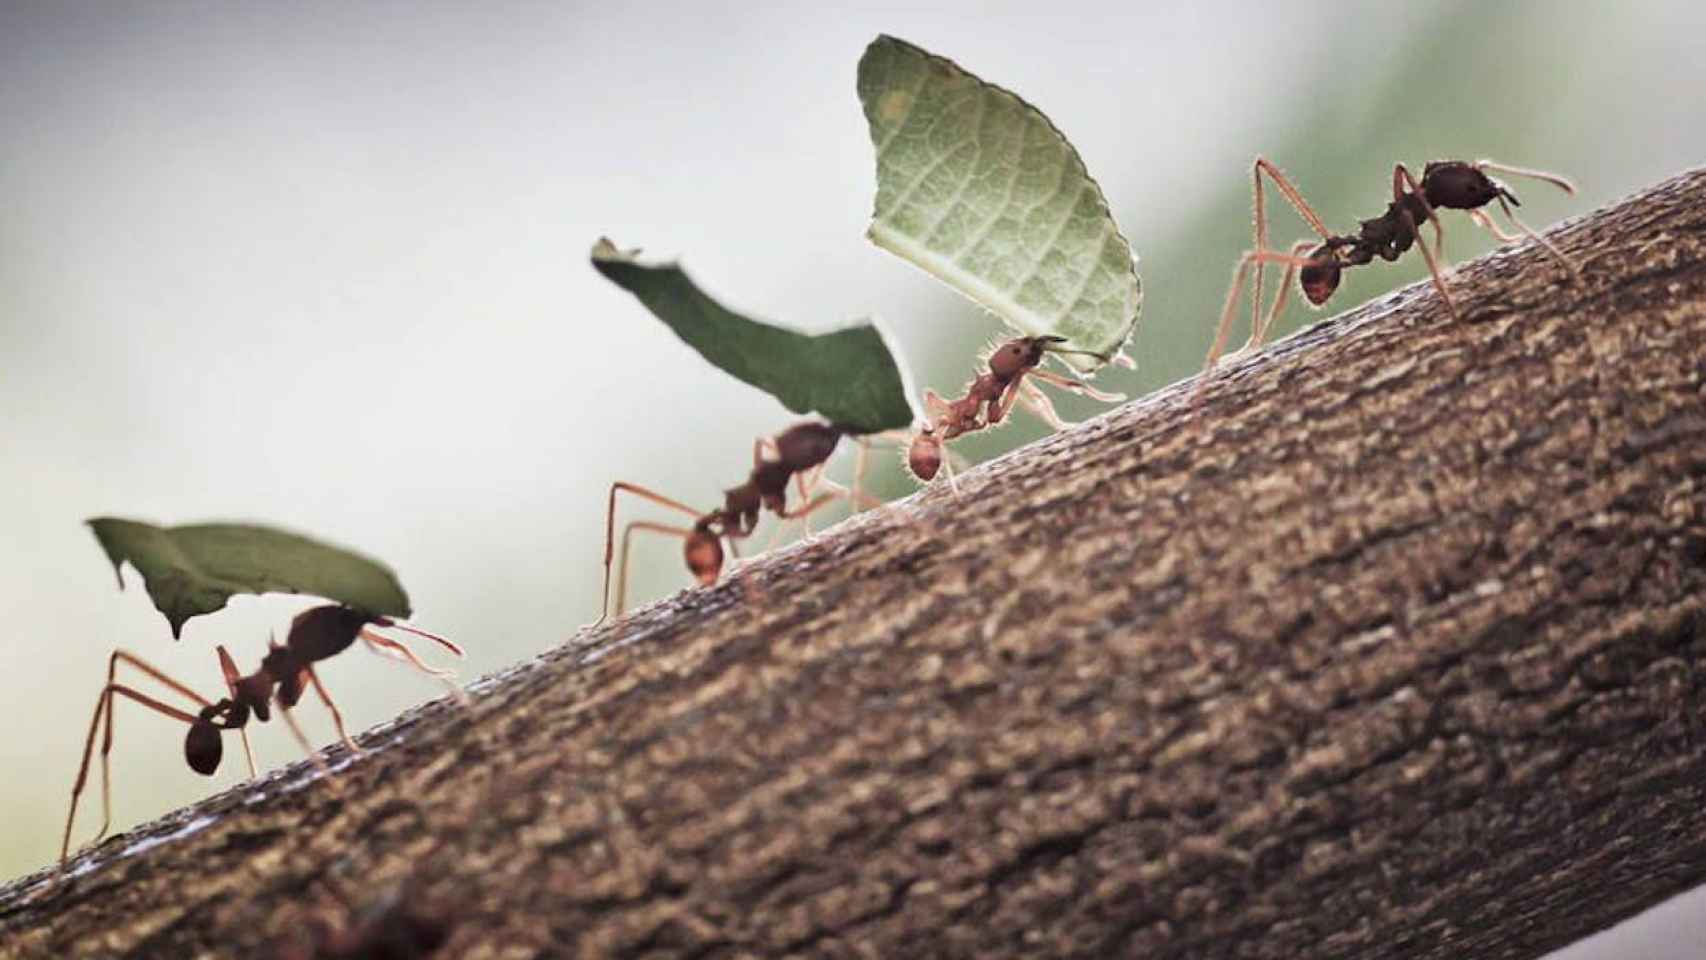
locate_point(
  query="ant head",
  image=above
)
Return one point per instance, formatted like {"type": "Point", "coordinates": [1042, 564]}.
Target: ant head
{"type": "Point", "coordinates": [1460, 186]}
{"type": "Point", "coordinates": [203, 745]}
{"type": "Point", "coordinates": [325, 631]}
{"type": "Point", "coordinates": [924, 454]}
{"type": "Point", "coordinates": [704, 553]}
{"type": "Point", "coordinates": [1017, 356]}
{"type": "Point", "coordinates": [806, 445]}
{"type": "Point", "coordinates": [1320, 276]}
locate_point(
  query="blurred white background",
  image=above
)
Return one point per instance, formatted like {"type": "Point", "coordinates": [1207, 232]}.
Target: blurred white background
{"type": "Point", "coordinates": [324, 266]}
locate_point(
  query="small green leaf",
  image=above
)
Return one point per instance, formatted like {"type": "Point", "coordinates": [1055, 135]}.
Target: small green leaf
{"type": "Point", "coordinates": [849, 376]}
{"type": "Point", "coordinates": [193, 570]}
{"type": "Point", "coordinates": [977, 188]}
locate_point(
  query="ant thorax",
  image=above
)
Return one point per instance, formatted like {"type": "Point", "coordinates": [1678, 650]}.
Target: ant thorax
{"type": "Point", "coordinates": [741, 504]}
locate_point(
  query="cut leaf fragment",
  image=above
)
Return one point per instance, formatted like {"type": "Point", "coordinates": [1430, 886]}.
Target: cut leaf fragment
{"type": "Point", "coordinates": [850, 376]}
{"type": "Point", "coordinates": [192, 570]}
{"type": "Point", "coordinates": [979, 189]}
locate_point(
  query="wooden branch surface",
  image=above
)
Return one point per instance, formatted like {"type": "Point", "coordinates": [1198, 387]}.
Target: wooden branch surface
{"type": "Point", "coordinates": [1394, 649]}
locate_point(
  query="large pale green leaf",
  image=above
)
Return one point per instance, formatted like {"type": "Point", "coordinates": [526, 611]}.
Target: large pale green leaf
{"type": "Point", "coordinates": [192, 570]}
{"type": "Point", "coordinates": [849, 376]}
{"type": "Point", "coordinates": [977, 188]}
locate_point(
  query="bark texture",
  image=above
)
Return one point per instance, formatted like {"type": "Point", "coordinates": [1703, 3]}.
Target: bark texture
{"type": "Point", "coordinates": [1394, 648]}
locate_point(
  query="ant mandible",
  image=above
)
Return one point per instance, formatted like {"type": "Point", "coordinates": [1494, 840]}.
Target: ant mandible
{"type": "Point", "coordinates": [316, 634]}
{"type": "Point", "coordinates": [793, 453]}
{"type": "Point", "coordinates": [1445, 184]}
{"type": "Point", "coordinates": [990, 396]}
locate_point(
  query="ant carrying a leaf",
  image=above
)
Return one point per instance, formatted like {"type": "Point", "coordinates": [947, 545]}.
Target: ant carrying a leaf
{"type": "Point", "coordinates": [991, 395]}
{"type": "Point", "coordinates": [793, 455]}
{"type": "Point", "coordinates": [1318, 263]}
{"type": "Point", "coordinates": [285, 673]}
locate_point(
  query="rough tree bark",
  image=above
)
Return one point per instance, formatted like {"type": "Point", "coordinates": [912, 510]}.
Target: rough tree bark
{"type": "Point", "coordinates": [1393, 649]}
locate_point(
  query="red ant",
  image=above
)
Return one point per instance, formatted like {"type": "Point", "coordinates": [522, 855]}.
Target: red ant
{"type": "Point", "coordinates": [285, 672]}
{"type": "Point", "coordinates": [990, 397]}
{"type": "Point", "coordinates": [1447, 184]}
{"type": "Point", "coordinates": [795, 452]}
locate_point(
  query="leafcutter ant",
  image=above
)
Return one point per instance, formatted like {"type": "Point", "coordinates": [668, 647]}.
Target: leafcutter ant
{"type": "Point", "coordinates": [792, 455]}
{"type": "Point", "coordinates": [286, 671]}
{"type": "Point", "coordinates": [1318, 264]}
{"type": "Point", "coordinates": [991, 395]}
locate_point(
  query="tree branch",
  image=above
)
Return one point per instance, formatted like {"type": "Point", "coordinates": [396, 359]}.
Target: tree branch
{"type": "Point", "coordinates": [1393, 648]}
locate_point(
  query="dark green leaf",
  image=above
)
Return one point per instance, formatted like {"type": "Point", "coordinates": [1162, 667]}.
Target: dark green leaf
{"type": "Point", "coordinates": [193, 570]}
{"type": "Point", "coordinates": [849, 376]}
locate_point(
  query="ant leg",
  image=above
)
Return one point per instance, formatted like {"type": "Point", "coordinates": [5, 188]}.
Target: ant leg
{"type": "Point", "coordinates": [308, 748]}
{"type": "Point", "coordinates": [1263, 165]}
{"type": "Point", "coordinates": [1039, 403]}
{"type": "Point", "coordinates": [857, 499]}
{"type": "Point", "coordinates": [1551, 247]}
{"type": "Point", "coordinates": [1230, 305]}
{"type": "Point", "coordinates": [855, 494]}
{"type": "Point", "coordinates": [948, 459]}
{"type": "Point", "coordinates": [1293, 197]}
{"type": "Point", "coordinates": [805, 487]}
{"type": "Point", "coordinates": [228, 668]}
{"type": "Point", "coordinates": [1004, 404]}
{"type": "Point", "coordinates": [821, 501]}
{"type": "Point", "coordinates": [1433, 267]}
{"type": "Point", "coordinates": [1485, 222]}
{"type": "Point", "coordinates": [1554, 179]}
{"type": "Point", "coordinates": [337, 717]}
{"type": "Point", "coordinates": [107, 741]}
{"type": "Point", "coordinates": [1077, 386]}
{"type": "Point", "coordinates": [610, 531]}
{"type": "Point", "coordinates": [1402, 179]}
{"type": "Point", "coordinates": [105, 705]}
{"type": "Point", "coordinates": [622, 570]}
{"type": "Point", "coordinates": [1260, 336]}
{"type": "Point", "coordinates": [396, 650]}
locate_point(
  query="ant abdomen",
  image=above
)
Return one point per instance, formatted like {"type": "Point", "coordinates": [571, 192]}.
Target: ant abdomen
{"type": "Point", "coordinates": [1320, 276]}
{"type": "Point", "coordinates": [924, 455]}
{"type": "Point", "coordinates": [203, 747]}
{"type": "Point", "coordinates": [704, 553]}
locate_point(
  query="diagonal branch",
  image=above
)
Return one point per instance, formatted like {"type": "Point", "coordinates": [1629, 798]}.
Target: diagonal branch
{"type": "Point", "coordinates": [1394, 649]}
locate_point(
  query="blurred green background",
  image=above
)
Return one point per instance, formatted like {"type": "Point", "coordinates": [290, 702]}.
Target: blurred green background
{"type": "Point", "coordinates": [325, 266]}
